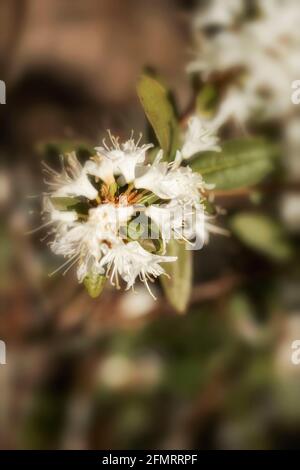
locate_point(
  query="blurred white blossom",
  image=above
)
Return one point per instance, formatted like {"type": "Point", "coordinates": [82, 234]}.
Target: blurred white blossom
{"type": "Point", "coordinates": [199, 138]}
{"type": "Point", "coordinates": [259, 47]}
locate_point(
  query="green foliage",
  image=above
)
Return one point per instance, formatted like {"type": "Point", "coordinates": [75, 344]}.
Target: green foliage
{"type": "Point", "coordinates": [71, 204]}
{"type": "Point", "coordinates": [160, 113]}
{"type": "Point", "coordinates": [94, 284]}
{"type": "Point", "coordinates": [242, 162]}
{"type": "Point", "coordinates": [263, 234]}
{"type": "Point", "coordinates": [64, 203]}
{"type": "Point", "coordinates": [206, 100]}
{"type": "Point", "coordinates": [177, 287]}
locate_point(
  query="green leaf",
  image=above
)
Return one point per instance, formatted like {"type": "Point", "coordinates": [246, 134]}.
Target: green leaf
{"type": "Point", "coordinates": [178, 287]}
{"type": "Point", "coordinates": [206, 100]}
{"type": "Point", "coordinates": [242, 162]}
{"type": "Point", "coordinates": [152, 154]}
{"type": "Point", "coordinates": [160, 113]}
{"type": "Point", "coordinates": [241, 314]}
{"type": "Point", "coordinates": [209, 207]}
{"type": "Point", "coordinates": [262, 234]}
{"type": "Point", "coordinates": [64, 203]}
{"type": "Point", "coordinates": [94, 284]}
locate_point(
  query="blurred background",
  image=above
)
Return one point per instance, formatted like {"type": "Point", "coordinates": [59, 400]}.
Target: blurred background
{"type": "Point", "coordinates": [123, 371]}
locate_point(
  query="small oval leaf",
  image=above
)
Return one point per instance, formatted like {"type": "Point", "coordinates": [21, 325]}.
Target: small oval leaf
{"type": "Point", "coordinates": [160, 113]}
{"type": "Point", "coordinates": [206, 100]}
{"type": "Point", "coordinates": [242, 162]}
{"type": "Point", "coordinates": [262, 234]}
{"type": "Point", "coordinates": [64, 203]}
{"type": "Point", "coordinates": [178, 286]}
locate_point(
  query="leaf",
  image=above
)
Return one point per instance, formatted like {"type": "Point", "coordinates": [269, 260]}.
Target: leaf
{"type": "Point", "coordinates": [242, 162]}
{"type": "Point", "coordinates": [160, 113]}
{"type": "Point", "coordinates": [206, 100]}
{"type": "Point", "coordinates": [94, 284]}
{"type": "Point", "coordinates": [178, 287]}
{"type": "Point", "coordinates": [152, 154]}
{"type": "Point", "coordinates": [64, 203]}
{"type": "Point", "coordinates": [241, 314]}
{"type": "Point", "coordinates": [209, 207]}
{"type": "Point", "coordinates": [262, 234]}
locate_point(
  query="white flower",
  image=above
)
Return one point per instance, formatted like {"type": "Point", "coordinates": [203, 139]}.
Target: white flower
{"type": "Point", "coordinates": [83, 242]}
{"type": "Point", "coordinates": [130, 261]}
{"type": "Point", "coordinates": [200, 227]}
{"type": "Point", "coordinates": [220, 13]}
{"type": "Point", "coordinates": [236, 105]}
{"type": "Point", "coordinates": [78, 243]}
{"type": "Point", "coordinates": [101, 167]}
{"type": "Point", "coordinates": [95, 233]}
{"type": "Point", "coordinates": [172, 181]}
{"type": "Point", "coordinates": [219, 54]}
{"type": "Point", "coordinates": [261, 52]}
{"type": "Point", "coordinates": [184, 222]}
{"type": "Point", "coordinates": [198, 138]}
{"type": "Point", "coordinates": [108, 219]}
{"type": "Point", "coordinates": [63, 216]}
{"type": "Point", "coordinates": [73, 181]}
{"type": "Point", "coordinates": [168, 219]}
{"type": "Point", "coordinates": [268, 89]}
{"type": "Point", "coordinates": [58, 215]}
{"type": "Point", "coordinates": [179, 221]}
{"type": "Point", "coordinates": [119, 159]}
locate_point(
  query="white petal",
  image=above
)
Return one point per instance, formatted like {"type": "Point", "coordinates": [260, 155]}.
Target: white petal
{"type": "Point", "coordinates": [130, 261]}
{"type": "Point", "coordinates": [101, 168]}
{"type": "Point", "coordinates": [124, 157]}
{"type": "Point", "coordinates": [199, 137]}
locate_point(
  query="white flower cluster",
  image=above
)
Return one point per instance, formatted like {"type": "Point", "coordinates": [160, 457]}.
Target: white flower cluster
{"type": "Point", "coordinates": [257, 45]}
{"type": "Point", "coordinates": [98, 209]}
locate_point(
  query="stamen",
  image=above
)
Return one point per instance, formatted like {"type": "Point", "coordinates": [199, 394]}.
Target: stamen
{"type": "Point", "coordinates": [63, 265]}
{"type": "Point", "coordinates": [70, 266]}
{"type": "Point", "coordinates": [139, 139]}
{"type": "Point", "coordinates": [105, 144]}
{"type": "Point", "coordinates": [30, 232]}
{"type": "Point", "coordinates": [144, 280]}
{"type": "Point", "coordinates": [50, 170]}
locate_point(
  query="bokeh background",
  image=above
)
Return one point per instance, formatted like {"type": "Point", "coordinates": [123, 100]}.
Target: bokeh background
{"type": "Point", "coordinates": [123, 371]}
